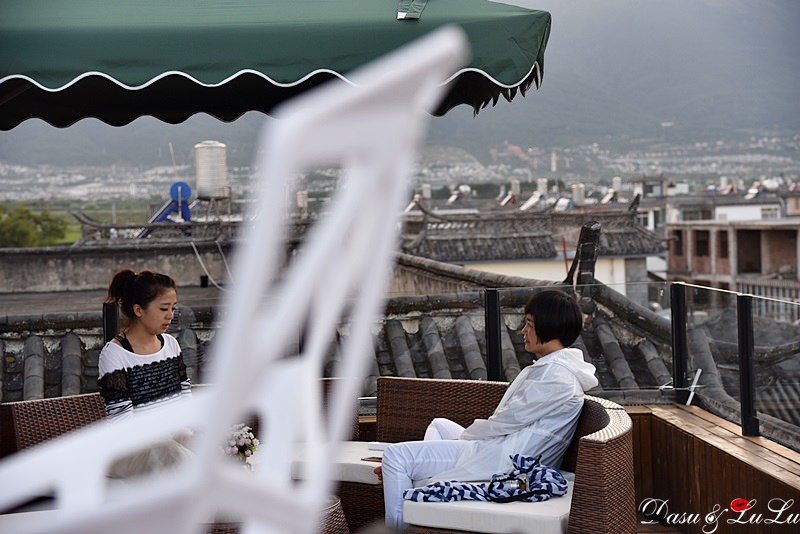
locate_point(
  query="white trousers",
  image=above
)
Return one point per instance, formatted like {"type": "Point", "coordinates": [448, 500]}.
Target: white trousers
{"type": "Point", "coordinates": [406, 462]}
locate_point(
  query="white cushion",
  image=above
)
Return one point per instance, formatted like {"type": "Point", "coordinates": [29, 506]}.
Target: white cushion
{"type": "Point", "coordinates": [474, 516]}
{"type": "Point", "coordinates": [348, 467]}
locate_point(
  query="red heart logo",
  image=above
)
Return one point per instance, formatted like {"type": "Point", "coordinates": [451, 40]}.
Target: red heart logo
{"type": "Point", "coordinates": [739, 505]}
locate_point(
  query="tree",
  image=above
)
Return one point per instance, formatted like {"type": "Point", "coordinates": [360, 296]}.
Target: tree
{"type": "Point", "coordinates": [20, 227]}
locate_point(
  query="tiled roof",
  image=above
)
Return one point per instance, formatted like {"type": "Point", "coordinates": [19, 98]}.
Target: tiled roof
{"type": "Point", "coordinates": [634, 240]}
{"type": "Point", "coordinates": [781, 400]}
{"type": "Point", "coordinates": [516, 236]}
{"type": "Point", "coordinates": [487, 248]}
{"type": "Point", "coordinates": [450, 343]}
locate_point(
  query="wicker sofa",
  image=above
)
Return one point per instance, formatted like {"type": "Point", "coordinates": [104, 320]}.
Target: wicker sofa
{"type": "Point", "coordinates": [601, 454]}
{"type": "Point", "coordinates": [27, 423]}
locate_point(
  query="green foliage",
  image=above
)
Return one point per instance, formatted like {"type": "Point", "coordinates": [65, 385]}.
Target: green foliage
{"type": "Point", "coordinates": [20, 227]}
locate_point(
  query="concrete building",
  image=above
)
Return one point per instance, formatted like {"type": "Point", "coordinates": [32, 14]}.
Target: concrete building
{"type": "Point", "coordinates": [759, 257]}
{"type": "Point", "coordinates": [656, 211]}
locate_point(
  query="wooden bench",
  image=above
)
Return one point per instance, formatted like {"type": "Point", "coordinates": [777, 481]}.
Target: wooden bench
{"type": "Point", "coordinates": [600, 455]}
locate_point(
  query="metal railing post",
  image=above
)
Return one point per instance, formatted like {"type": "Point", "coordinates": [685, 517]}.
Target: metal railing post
{"type": "Point", "coordinates": [494, 361]}
{"type": "Point", "coordinates": [680, 350]}
{"type": "Point", "coordinates": [747, 391]}
{"type": "Point", "coordinates": [110, 321]}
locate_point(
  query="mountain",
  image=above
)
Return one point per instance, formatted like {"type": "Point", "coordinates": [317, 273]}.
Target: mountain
{"type": "Point", "coordinates": [614, 72]}
{"type": "Point", "coordinates": [617, 69]}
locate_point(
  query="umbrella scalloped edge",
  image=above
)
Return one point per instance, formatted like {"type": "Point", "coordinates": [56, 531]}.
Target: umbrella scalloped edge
{"type": "Point", "coordinates": [175, 96]}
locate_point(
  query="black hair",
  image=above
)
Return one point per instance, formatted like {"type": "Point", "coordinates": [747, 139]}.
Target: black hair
{"type": "Point", "coordinates": [556, 315]}
{"type": "Point", "coordinates": [129, 288]}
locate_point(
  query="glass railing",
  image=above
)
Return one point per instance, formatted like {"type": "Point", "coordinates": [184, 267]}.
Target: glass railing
{"type": "Point", "coordinates": [776, 368]}
{"type": "Point", "coordinates": [712, 354]}
{"type": "Point", "coordinates": [627, 335]}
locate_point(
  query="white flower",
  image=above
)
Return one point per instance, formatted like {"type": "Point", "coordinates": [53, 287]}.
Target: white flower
{"type": "Point", "coordinates": [242, 444]}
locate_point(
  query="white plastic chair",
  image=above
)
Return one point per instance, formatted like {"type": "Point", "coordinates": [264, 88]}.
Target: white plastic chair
{"type": "Point", "coordinates": [341, 273]}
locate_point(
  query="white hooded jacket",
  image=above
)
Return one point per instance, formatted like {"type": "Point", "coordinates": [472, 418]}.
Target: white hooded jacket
{"type": "Point", "coordinates": [537, 415]}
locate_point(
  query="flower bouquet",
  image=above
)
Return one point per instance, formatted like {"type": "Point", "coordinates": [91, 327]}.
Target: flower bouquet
{"type": "Point", "coordinates": [242, 445]}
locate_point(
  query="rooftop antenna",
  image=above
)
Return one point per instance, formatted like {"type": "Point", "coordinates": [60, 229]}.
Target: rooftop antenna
{"type": "Point", "coordinates": [172, 156]}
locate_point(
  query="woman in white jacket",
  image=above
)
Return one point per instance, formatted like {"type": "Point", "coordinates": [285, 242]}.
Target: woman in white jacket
{"type": "Point", "coordinates": [537, 415]}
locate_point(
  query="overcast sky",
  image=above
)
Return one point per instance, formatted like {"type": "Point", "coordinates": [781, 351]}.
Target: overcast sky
{"type": "Point", "coordinates": [614, 70]}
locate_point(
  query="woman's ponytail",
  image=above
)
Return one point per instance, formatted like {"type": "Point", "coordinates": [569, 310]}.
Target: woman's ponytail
{"type": "Point", "coordinates": [116, 290]}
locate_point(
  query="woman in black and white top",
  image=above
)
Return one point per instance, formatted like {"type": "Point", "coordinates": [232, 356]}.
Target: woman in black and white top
{"type": "Point", "coordinates": [142, 368]}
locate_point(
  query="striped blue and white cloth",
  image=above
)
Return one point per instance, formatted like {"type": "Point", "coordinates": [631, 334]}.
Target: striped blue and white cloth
{"type": "Point", "coordinates": [543, 483]}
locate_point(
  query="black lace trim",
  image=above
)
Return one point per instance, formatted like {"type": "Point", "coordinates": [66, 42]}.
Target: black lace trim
{"type": "Point", "coordinates": [182, 369]}
{"type": "Point", "coordinates": [146, 383]}
{"type": "Point", "coordinates": [154, 381]}
{"type": "Point", "coordinates": [114, 386]}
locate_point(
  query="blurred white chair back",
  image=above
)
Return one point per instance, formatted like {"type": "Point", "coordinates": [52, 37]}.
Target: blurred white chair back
{"type": "Point", "coordinates": [338, 276]}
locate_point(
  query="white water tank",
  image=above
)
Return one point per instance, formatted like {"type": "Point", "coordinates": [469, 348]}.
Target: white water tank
{"type": "Point", "coordinates": [541, 186]}
{"type": "Point", "coordinates": [212, 170]}
{"type": "Point", "coordinates": [427, 191]}
{"type": "Point", "coordinates": [578, 193]}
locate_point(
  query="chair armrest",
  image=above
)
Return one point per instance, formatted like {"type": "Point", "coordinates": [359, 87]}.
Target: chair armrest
{"type": "Point", "coordinates": [603, 499]}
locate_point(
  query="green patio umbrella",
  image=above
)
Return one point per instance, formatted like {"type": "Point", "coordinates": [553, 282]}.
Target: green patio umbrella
{"type": "Point", "coordinates": [116, 60]}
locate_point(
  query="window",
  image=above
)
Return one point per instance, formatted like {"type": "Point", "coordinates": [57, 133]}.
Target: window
{"type": "Point", "coordinates": [770, 213]}
{"type": "Point", "coordinates": [643, 219]}
{"type": "Point", "coordinates": [692, 215]}
{"type": "Point", "coordinates": [723, 244]}
{"type": "Point", "coordinates": [677, 243]}
{"type": "Point", "coordinates": [701, 238]}
{"type": "Point", "coordinates": [657, 218]}
{"type": "Point", "coordinates": [697, 214]}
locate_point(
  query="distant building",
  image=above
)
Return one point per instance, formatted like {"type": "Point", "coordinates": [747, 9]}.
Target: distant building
{"type": "Point", "coordinates": [656, 211]}
{"type": "Point", "coordinates": [791, 200]}
{"type": "Point", "coordinates": [758, 257]}
{"type": "Point", "coordinates": [715, 207]}
{"type": "Point", "coordinates": [651, 187]}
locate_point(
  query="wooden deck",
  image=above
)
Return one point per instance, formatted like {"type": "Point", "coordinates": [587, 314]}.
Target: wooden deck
{"type": "Point", "coordinates": [688, 461]}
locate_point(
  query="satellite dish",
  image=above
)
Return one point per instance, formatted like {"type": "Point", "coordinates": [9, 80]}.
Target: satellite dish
{"type": "Point", "coordinates": [464, 189]}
